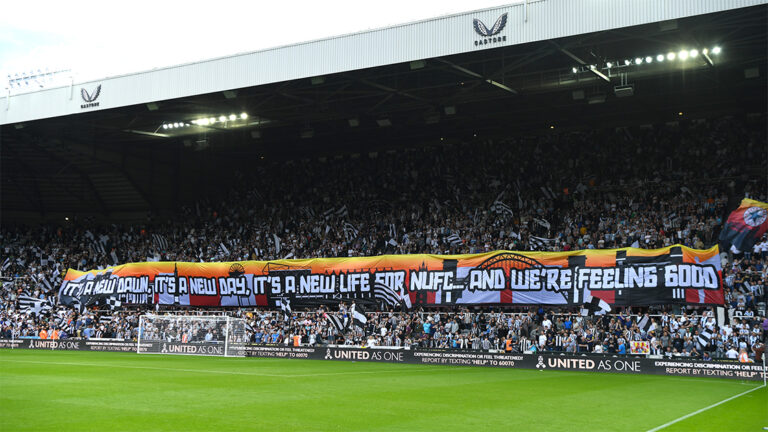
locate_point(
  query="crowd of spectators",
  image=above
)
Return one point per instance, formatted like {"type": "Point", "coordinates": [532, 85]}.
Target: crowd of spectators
{"type": "Point", "coordinates": [645, 187]}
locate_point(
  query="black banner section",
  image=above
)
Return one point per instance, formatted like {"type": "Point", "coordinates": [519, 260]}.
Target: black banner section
{"type": "Point", "coordinates": [543, 362]}
{"type": "Point", "coordinates": [202, 348]}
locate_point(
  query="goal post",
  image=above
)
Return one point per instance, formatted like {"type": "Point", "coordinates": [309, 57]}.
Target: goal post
{"type": "Point", "coordinates": [191, 335]}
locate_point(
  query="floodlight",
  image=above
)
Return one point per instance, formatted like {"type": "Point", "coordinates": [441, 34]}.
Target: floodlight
{"type": "Point", "coordinates": [660, 58]}
{"type": "Point", "coordinates": [574, 70]}
{"type": "Point", "coordinates": [243, 116]}
{"type": "Point", "coordinates": [716, 50]}
{"type": "Point", "coordinates": [222, 119]}
{"type": "Point", "coordinates": [648, 59]}
{"type": "Point", "coordinates": [683, 54]}
{"type": "Point", "coordinates": [232, 117]}
{"type": "Point", "coordinates": [671, 56]}
{"type": "Point", "coordinates": [638, 61]}
{"type": "Point", "coordinates": [627, 62]}
{"type": "Point", "coordinates": [693, 53]}
{"type": "Point", "coordinates": [609, 64]}
{"type": "Point", "coordinates": [211, 120]}
{"type": "Point", "coordinates": [705, 51]}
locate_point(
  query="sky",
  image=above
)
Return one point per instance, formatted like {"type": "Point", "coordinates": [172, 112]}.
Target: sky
{"type": "Point", "coordinates": [97, 39]}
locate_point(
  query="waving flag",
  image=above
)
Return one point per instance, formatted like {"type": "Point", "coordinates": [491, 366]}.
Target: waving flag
{"type": "Point", "coordinates": [746, 225]}
{"type": "Point", "coordinates": [358, 315]}
{"type": "Point", "coordinates": [335, 321]}
{"type": "Point", "coordinates": [33, 305]}
{"type": "Point", "coordinates": [595, 306]}
{"type": "Point", "coordinates": [285, 306]}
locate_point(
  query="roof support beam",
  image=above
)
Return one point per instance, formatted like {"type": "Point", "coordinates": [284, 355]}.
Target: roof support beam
{"type": "Point", "coordinates": [583, 63]}
{"type": "Point", "coordinates": [394, 90]}
{"type": "Point", "coordinates": [477, 75]}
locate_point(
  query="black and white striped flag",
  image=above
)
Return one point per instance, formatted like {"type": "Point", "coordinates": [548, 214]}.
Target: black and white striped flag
{"type": "Point", "coordinates": [543, 222]}
{"type": "Point", "coordinates": [29, 304]}
{"type": "Point", "coordinates": [540, 243]}
{"type": "Point", "coordinates": [548, 192]}
{"type": "Point", "coordinates": [223, 249]}
{"type": "Point", "coordinates": [350, 232]}
{"type": "Point", "coordinates": [46, 284]}
{"type": "Point", "coordinates": [95, 245]}
{"type": "Point", "coordinates": [704, 338]}
{"type": "Point", "coordinates": [160, 242]}
{"type": "Point", "coordinates": [499, 207]}
{"type": "Point", "coordinates": [645, 323]}
{"type": "Point", "coordinates": [386, 294]}
{"type": "Point", "coordinates": [335, 321]}
{"type": "Point", "coordinates": [390, 296]}
{"type": "Point", "coordinates": [105, 319]}
{"type": "Point", "coordinates": [453, 239]}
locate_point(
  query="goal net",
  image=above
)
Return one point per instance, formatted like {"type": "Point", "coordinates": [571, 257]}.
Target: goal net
{"type": "Point", "coordinates": [191, 335]}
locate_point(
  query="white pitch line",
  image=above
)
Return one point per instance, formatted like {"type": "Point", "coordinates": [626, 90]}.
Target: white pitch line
{"type": "Point", "coordinates": [703, 409]}
{"type": "Point", "coordinates": [225, 372]}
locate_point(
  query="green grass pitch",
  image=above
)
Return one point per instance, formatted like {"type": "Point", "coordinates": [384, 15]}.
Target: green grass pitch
{"type": "Point", "coordinates": [93, 391]}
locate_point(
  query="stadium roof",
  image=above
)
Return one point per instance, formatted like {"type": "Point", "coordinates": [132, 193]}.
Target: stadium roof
{"type": "Point", "coordinates": [110, 161]}
{"type": "Point", "coordinates": [519, 23]}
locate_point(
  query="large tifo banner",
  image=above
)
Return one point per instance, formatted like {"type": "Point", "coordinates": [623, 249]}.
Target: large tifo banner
{"type": "Point", "coordinates": [621, 277]}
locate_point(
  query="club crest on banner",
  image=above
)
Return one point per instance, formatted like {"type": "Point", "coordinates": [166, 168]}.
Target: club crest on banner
{"type": "Point", "coordinates": [755, 216]}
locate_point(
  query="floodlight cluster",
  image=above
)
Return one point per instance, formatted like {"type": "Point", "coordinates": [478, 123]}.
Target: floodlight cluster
{"type": "Point", "coordinates": [221, 119]}
{"type": "Point", "coordinates": [175, 125]}
{"type": "Point", "coordinates": [681, 55]}
{"type": "Point", "coordinates": [207, 121]}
